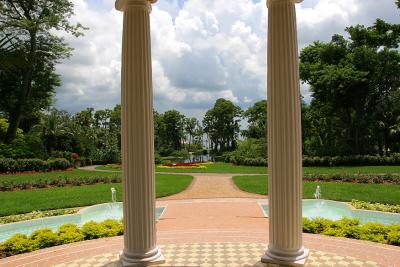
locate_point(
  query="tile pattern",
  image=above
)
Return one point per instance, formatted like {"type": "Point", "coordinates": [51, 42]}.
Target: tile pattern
{"type": "Point", "coordinates": [221, 254]}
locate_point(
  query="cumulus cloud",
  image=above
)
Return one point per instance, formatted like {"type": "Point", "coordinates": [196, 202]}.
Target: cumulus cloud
{"type": "Point", "coordinates": [202, 49]}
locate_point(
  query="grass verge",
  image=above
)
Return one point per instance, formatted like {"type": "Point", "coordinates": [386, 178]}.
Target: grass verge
{"type": "Point", "coordinates": [380, 193]}
{"type": "Point", "coordinates": [76, 196]}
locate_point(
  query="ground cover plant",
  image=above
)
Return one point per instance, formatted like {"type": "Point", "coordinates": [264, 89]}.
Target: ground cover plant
{"type": "Point", "coordinates": [351, 228]}
{"type": "Point", "coordinates": [77, 196]}
{"type": "Point", "coordinates": [67, 233]}
{"type": "Point", "coordinates": [380, 193]}
{"type": "Point", "coordinates": [375, 206]}
{"type": "Point", "coordinates": [36, 215]}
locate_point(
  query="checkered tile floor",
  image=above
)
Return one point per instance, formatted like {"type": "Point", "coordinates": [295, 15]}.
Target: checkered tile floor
{"type": "Point", "coordinates": [220, 254]}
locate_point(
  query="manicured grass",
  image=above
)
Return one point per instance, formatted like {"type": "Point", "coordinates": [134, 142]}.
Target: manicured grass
{"type": "Point", "coordinates": [221, 167]}
{"type": "Point", "coordinates": [54, 175]}
{"type": "Point", "coordinates": [381, 193]}
{"type": "Point", "coordinates": [77, 196]}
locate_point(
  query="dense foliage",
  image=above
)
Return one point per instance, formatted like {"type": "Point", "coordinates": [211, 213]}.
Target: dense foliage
{"type": "Point", "coordinates": [351, 228]}
{"type": "Point", "coordinates": [355, 92]}
{"type": "Point", "coordinates": [67, 233]}
{"type": "Point", "coordinates": [30, 48]}
{"type": "Point", "coordinates": [8, 165]}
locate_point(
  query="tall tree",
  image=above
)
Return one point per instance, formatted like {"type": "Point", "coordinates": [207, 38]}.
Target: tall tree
{"type": "Point", "coordinates": [171, 130]}
{"type": "Point", "coordinates": [354, 85]}
{"type": "Point", "coordinates": [28, 27]}
{"type": "Point", "coordinates": [221, 123]}
{"type": "Point", "coordinates": [256, 116]}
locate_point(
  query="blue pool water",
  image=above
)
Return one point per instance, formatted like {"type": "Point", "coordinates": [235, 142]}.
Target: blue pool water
{"type": "Point", "coordinates": [97, 213]}
{"type": "Point", "coordinates": [335, 210]}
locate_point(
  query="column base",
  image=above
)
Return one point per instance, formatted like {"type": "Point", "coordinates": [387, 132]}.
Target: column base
{"type": "Point", "coordinates": [153, 257]}
{"type": "Point", "coordinates": [296, 261]}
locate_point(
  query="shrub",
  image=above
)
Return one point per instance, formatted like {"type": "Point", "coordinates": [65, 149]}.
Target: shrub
{"type": "Point", "coordinates": [59, 164]}
{"type": "Point", "coordinates": [69, 233]}
{"type": "Point", "coordinates": [375, 232]}
{"type": "Point", "coordinates": [44, 238]}
{"type": "Point", "coordinates": [93, 230]}
{"type": "Point", "coordinates": [8, 165]}
{"type": "Point", "coordinates": [19, 243]}
{"type": "Point", "coordinates": [113, 227]}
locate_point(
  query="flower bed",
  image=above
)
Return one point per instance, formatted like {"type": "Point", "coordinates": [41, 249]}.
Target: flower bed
{"type": "Point", "coordinates": [182, 165]}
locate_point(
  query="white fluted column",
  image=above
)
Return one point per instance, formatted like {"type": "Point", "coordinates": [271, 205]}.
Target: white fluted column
{"type": "Point", "coordinates": [284, 138]}
{"type": "Point", "coordinates": [140, 247]}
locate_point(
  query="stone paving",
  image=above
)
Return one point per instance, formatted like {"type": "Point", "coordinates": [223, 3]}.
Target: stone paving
{"type": "Point", "coordinates": [220, 255]}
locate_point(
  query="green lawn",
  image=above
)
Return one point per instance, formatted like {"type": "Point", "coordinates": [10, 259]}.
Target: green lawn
{"type": "Point", "coordinates": [221, 167]}
{"type": "Point", "coordinates": [77, 196]}
{"type": "Point", "coordinates": [381, 193]}
{"type": "Point", "coordinates": [54, 175]}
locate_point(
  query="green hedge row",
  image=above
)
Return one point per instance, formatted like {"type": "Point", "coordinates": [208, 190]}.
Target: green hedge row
{"type": "Point", "coordinates": [351, 228]}
{"type": "Point", "coordinates": [67, 233]}
{"type": "Point", "coordinates": [10, 185]}
{"type": "Point", "coordinates": [357, 160]}
{"type": "Point", "coordinates": [354, 178]}
{"type": "Point", "coordinates": [8, 165]}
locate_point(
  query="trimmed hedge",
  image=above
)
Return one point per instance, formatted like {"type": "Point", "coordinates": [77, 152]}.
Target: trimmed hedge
{"type": "Point", "coordinates": [356, 160]}
{"type": "Point", "coordinates": [10, 185]}
{"type": "Point", "coordinates": [8, 165]}
{"type": "Point", "coordinates": [351, 228]}
{"type": "Point", "coordinates": [354, 178]}
{"type": "Point", "coordinates": [67, 233]}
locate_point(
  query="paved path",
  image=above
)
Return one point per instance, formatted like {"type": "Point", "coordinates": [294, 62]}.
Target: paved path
{"type": "Point", "coordinates": [207, 185]}
{"type": "Point", "coordinates": [204, 185]}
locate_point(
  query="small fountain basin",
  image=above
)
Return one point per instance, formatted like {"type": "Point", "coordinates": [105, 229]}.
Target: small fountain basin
{"type": "Point", "coordinates": [97, 213]}
{"type": "Point", "coordinates": [334, 210]}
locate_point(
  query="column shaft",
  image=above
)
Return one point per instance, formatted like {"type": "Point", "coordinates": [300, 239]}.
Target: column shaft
{"type": "Point", "coordinates": [284, 137]}
{"type": "Point", "coordinates": [137, 137]}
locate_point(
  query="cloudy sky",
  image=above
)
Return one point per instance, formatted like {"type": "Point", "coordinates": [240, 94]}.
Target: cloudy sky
{"type": "Point", "coordinates": [202, 49]}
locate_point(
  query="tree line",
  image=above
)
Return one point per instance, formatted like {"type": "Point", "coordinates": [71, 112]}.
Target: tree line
{"type": "Point", "coordinates": [354, 109]}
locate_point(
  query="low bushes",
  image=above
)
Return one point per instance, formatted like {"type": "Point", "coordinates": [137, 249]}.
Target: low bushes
{"type": "Point", "coordinates": [10, 185]}
{"type": "Point", "coordinates": [351, 228]}
{"type": "Point", "coordinates": [356, 160]}
{"type": "Point", "coordinates": [66, 233]}
{"type": "Point", "coordinates": [8, 165]}
{"type": "Point", "coordinates": [358, 204]}
{"type": "Point", "coordinates": [36, 215]}
{"type": "Point", "coordinates": [354, 178]}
